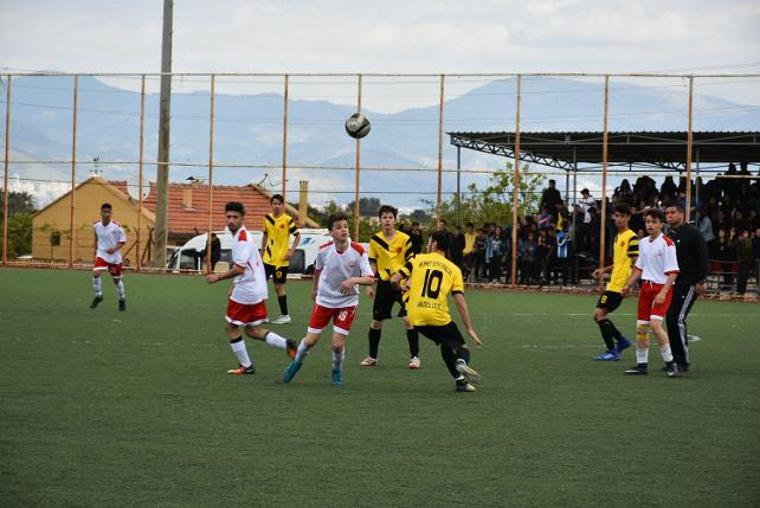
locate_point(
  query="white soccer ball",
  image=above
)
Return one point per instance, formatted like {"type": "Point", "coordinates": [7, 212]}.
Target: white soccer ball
{"type": "Point", "coordinates": [358, 126]}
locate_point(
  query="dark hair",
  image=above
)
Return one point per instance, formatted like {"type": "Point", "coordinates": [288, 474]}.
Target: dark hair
{"type": "Point", "coordinates": [623, 208]}
{"type": "Point", "coordinates": [470, 225]}
{"type": "Point", "coordinates": [441, 238]}
{"type": "Point", "coordinates": [655, 213]}
{"type": "Point", "coordinates": [337, 216]}
{"type": "Point", "coordinates": [387, 209]}
{"type": "Point", "coordinates": [443, 221]}
{"type": "Point", "coordinates": [106, 205]}
{"type": "Point", "coordinates": [235, 206]}
{"type": "Point", "coordinates": [277, 197]}
{"type": "Point", "coordinates": [415, 223]}
{"type": "Point", "coordinates": [674, 204]}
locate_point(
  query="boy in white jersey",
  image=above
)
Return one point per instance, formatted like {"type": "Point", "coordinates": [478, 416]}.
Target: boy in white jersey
{"type": "Point", "coordinates": [247, 306]}
{"type": "Point", "coordinates": [657, 266]}
{"type": "Point", "coordinates": [340, 267]}
{"type": "Point", "coordinates": [109, 239]}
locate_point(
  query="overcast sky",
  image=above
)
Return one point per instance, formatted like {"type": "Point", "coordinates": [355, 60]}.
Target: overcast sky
{"type": "Point", "coordinates": [384, 36]}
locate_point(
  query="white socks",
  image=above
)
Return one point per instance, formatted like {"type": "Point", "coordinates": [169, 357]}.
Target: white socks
{"type": "Point", "coordinates": [302, 351]}
{"type": "Point", "coordinates": [275, 340]}
{"type": "Point", "coordinates": [120, 288]}
{"type": "Point", "coordinates": [667, 355]}
{"type": "Point", "coordinates": [642, 354]}
{"type": "Point", "coordinates": [337, 359]}
{"type": "Point", "coordinates": [241, 352]}
{"type": "Point", "coordinates": [97, 285]}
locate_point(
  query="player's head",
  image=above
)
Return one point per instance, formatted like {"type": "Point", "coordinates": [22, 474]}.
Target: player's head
{"type": "Point", "coordinates": [442, 225]}
{"type": "Point", "coordinates": [622, 215]}
{"type": "Point", "coordinates": [654, 218]}
{"type": "Point", "coordinates": [387, 215]}
{"type": "Point", "coordinates": [674, 213]}
{"type": "Point", "coordinates": [439, 242]}
{"type": "Point", "coordinates": [234, 213]}
{"type": "Point", "coordinates": [105, 211]}
{"type": "Point", "coordinates": [337, 224]}
{"type": "Point", "coordinates": [278, 204]}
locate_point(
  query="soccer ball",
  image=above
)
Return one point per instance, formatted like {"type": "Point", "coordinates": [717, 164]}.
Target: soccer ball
{"type": "Point", "coordinates": [358, 126]}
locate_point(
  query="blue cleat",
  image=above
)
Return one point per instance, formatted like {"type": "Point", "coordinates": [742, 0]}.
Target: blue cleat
{"type": "Point", "coordinates": [291, 370]}
{"type": "Point", "coordinates": [608, 356]}
{"type": "Point", "coordinates": [337, 377]}
{"type": "Point", "coordinates": [623, 343]}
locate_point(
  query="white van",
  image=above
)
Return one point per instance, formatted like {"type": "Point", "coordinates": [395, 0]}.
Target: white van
{"type": "Point", "coordinates": [188, 256]}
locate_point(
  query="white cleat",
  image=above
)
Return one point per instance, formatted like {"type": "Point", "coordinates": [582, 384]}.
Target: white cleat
{"type": "Point", "coordinates": [468, 372]}
{"type": "Point", "coordinates": [368, 362]}
{"type": "Point", "coordinates": [415, 363]}
{"type": "Point", "coordinates": [282, 320]}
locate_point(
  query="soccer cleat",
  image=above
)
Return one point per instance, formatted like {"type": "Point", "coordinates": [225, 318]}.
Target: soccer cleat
{"type": "Point", "coordinates": [636, 370]}
{"type": "Point", "coordinates": [623, 343]}
{"type": "Point", "coordinates": [368, 362]}
{"type": "Point", "coordinates": [282, 320]}
{"type": "Point", "coordinates": [291, 370]}
{"type": "Point", "coordinates": [290, 348]}
{"type": "Point", "coordinates": [464, 386]}
{"type": "Point", "coordinates": [122, 305]}
{"type": "Point", "coordinates": [414, 363]}
{"type": "Point", "coordinates": [242, 371]}
{"type": "Point", "coordinates": [671, 370]}
{"type": "Point", "coordinates": [468, 372]}
{"type": "Point", "coordinates": [337, 377]}
{"type": "Point", "coordinates": [95, 302]}
{"type": "Point", "coordinates": [608, 356]}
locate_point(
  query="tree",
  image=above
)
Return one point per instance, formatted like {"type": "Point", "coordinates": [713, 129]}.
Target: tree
{"type": "Point", "coordinates": [18, 202]}
{"type": "Point", "coordinates": [20, 209]}
{"type": "Point", "coordinates": [368, 207]}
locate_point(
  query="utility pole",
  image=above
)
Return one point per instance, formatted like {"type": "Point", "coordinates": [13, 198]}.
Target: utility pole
{"type": "Point", "coordinates": [160, 235]}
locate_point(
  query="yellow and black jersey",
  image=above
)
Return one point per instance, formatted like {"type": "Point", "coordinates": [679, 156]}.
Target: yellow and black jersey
{"type": "Point", "coordinates": [278, 231]}
{"type": "Point", "coordinates": [391, 255]}
{"type": "Point", "coordinates": [432, 278]}
{"type": "Point", "coordinates": [624, 251]}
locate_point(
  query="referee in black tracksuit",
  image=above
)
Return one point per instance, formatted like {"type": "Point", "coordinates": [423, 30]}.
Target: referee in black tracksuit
{"type": "Point", "coordinates": [691, 250]}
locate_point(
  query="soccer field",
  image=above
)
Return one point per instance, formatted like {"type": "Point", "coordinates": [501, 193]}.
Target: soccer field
{"type": "Point", "coordinates": [108, 408]}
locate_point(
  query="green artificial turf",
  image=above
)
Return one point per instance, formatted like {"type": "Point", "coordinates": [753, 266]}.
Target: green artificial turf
{"type": "Point", "coordinates": [109, 408]}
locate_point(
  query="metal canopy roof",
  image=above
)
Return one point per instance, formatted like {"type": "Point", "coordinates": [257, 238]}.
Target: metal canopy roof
{"type": "Point", "coordinates": [565, 150]}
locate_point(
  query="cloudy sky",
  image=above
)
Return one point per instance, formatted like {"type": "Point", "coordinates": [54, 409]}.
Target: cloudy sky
{"type": "Point", "coordinates": [384, 36]}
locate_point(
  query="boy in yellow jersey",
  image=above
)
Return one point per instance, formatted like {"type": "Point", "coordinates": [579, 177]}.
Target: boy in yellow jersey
{"type": "Point", "coordinates": [276, 251]}
{"type": "Point", "coordinates": [625, 250]}
{"type": "Point", "coordinates": [432, 279]}
{"type": "Point", "coordinates": [389, 249]}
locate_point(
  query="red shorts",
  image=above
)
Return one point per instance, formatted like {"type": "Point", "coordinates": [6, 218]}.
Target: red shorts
{"type": "Point", "coordinates": [342, 318]}
{"type": "Point", "coordinates": [113, 268]}
{"type": "Point", "coordinates": [647, 310]}
{"type": "Point", "coordinates": [245, 314]}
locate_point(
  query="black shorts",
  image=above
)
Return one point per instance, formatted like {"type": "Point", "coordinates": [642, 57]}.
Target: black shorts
{"type": "Point", "coordinates": [385, 296]}
{"type": "Point", "coordinates": [279, 275]}
{"type": "Point", "coordinates": [609, 301]}
{"type": "Point", "coordinates": [445, 334]}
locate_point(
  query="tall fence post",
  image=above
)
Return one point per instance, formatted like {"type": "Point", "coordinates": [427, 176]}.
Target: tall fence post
{"type": "Point", "coordinates": [603, 208]}
{"type": "Point", "coordinates": [140, 174]}
{"type": "Point", "coordinates": [210, 174]}
{"type": "Point", "coordinates": [516, 184]}
{"type": "Point", "coordinates": [689, 142]}
{"type": "Point", "coordinates": [285, 142]}
{"type": "Point", "coordinates": [440, 153]}
{"type": "Point", "coordinates": [358, 164]}
{"type": "Point", "coordinates": [72, 197]}
{"type": "Point", "coordinates": [6, 168]}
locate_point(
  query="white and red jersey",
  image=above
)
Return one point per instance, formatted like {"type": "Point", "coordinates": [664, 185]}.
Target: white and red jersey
{"type": "Point", "coordinates": [250, 286]}
{"type": "Point", "coordinates": [335, 267]}
{"type": "Point", "coordinates": [109, 236]}
{"type": "Point", "coordinates": [657, 259]}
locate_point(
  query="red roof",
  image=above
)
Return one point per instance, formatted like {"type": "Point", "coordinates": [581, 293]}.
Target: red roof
{"type": "Point", "coordinates": [191, 219]}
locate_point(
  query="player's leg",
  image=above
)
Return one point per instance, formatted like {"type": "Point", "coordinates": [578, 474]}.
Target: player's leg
{"type": "Point", "coordinates": [97, 286]}
{"type": "Point", "coordinates": [683, 300]}
{"type": "Point", "coordinates": [280, 277]}
{"type": "Point", "coordinates": [320, 317]}
{"type": "Point", "coordinates": [116, 275]}
{"type": "Point", "coordinates": [338, 346]}
{"type": "Point", "coordinates": [381, 310]}
{"type": "Point", "coordinates": [643, 314]}
{"type": "Point", "coordinates": [258, 332]}
{"type": "Point", "coordinates": [608, 303]}
{"type": "Point", "coordinates": [658, 314]}
{"type": "Point", "coordinates": [238, 315]}
{"type": "Point", "coordinates": [412, 336]}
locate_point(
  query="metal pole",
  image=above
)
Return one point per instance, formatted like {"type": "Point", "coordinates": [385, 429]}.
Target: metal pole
{"type": "Point", "coordinates": [285, 142]}
{"type": "Point", "coordinates": [6, 168]}
{"type": "Point", "coordinates": [210, 175]}
{"type": "Point", "coordinates": [575, 216]}
{"type": "Point", "coordinates": [161, 232]}
{"type": "Point", "coordinates": [603, 221]}
{"type": "Point", "coordinates": [459, 184]}
{"type": "Point", "coordinates": [358, 163]}
{"type": "Point", "coordinates": [516, 182]}
{"type": "Point", "coordinates": [696, 189]}
{"type": "Point", "coordinates": [140, 177]}
{"type": "Point", "coordinates": [689, 141]}
{"type": "Point", "coordinates": [72, 197]}
{"type": "Point", "coordinates": [440, 154]}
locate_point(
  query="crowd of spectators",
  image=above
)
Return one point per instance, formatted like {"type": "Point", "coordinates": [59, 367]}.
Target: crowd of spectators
{"type": "Point", "coordinates": [561, 243]}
